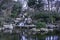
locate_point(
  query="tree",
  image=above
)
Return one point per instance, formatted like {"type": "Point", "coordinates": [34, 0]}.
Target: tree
{"type": "Point", "coordinates": [35, 3]}
{"type": "Point", "coordinates": [40, 24]}
{"type": "Point", "coordinates": [16, 10]}
{"type": "Point", "coordinates": [31, 3]}
{"type": "Point", "coordinates": [52, 19]}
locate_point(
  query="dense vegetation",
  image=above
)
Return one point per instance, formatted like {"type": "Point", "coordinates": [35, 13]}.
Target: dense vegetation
{"type": "Point", "coordinates": [16, 10]}
{"type": "Point", "coordinates": [35, 4]}
{"type": "Point", "coordinates": [41, 16]}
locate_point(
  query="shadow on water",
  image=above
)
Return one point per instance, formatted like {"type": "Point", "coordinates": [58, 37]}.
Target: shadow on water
{"type": "Point", "coordinates": [40, 37]}
{"type": "Point", "coordinates": [28, 37]}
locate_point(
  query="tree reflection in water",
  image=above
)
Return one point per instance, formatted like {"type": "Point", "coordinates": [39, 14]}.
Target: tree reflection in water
{"type": "Point", "coordinates": [52, 38]}
{"type": "Point", "coordinates": [28, 37]}
{"type": "Point", "coordinates": [46, 38]}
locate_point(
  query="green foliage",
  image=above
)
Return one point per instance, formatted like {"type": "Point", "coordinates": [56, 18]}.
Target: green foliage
{"type": "Point", "coordinates": [13, 15]}
{"type": "Point", "coordinates": [17, 7]}
{"type": "Point", "coordinates": [31, 2]}
{"type": "Point", "coordinates": [34, 4]}
{"type": "Point", "coordinates": [0, 23]}
{"type": "Point", "coordinates": [50, 17]}
{"type": "Point", "coordinates": [39, 15]}
{"type": "Point", "coordinates": [16, 10]}
{"type": "Point", "coordinates": [41, 25]}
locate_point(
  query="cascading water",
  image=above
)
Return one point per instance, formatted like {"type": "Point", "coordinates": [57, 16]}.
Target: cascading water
{"type": "Point", "coordinates": [23, 37]}
{"type": "Point", "coordinates": [21, 24]}
{"type": "Point", "coordinates": [24, 4]}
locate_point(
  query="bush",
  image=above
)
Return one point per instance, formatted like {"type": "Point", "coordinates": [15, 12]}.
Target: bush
{"type": "Point", "coordinates": [13, 15]}
{"type": "Point", "coordinates": [16, 10]}
{"type": "Point", "coordinates": [41, 25]}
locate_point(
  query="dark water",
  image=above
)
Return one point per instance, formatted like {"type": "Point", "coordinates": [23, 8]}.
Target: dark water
{"type": "Point", "coordinates": [28, 37]}
{"type": "Point", "coordinates": [39, 37]}
{"type": "Point", "coordinates": [52, 38]}
{"type": "Point", "coordinates": [42, 38]}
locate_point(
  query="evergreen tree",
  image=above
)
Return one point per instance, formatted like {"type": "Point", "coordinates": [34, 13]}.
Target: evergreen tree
{"type": "Point", "coordinates": [35, 3]}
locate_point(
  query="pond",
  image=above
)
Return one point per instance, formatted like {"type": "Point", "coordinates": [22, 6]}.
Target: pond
{"type": "Point", "coordinates": [23, 36]}
{"type": "Point", "coordinates": [52, 38]}
{"type": "Point", "coordinates": [41, 38]}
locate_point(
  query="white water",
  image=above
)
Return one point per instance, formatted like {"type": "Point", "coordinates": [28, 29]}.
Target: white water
{"type": "Point", "coordinates": [24, 4]}
{"type": "Point", "coordinates": [23, 37]}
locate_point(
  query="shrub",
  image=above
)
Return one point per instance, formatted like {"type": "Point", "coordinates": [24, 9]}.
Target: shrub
{"type": "Point", "coordinates": [41, 24]}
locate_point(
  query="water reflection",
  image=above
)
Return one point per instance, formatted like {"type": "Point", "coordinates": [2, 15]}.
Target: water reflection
{"type": "Point", "coordinates": [36, 38]}
{"type": "Point", "coordinates": [52, 38]}
{"type": "Point", "coordinates": [27, 37]}
{"type": "Point", "coordinates": [23, 38]}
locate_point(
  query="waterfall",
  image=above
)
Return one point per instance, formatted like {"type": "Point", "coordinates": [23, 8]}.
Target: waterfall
{"type": "Point", "coordinates": [23, 37]}
{"type": "Point", "coordinates": [24, 4]}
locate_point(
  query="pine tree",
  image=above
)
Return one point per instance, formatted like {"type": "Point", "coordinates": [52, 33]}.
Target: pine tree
{"type": "Point", "coordinates": [35, 3]}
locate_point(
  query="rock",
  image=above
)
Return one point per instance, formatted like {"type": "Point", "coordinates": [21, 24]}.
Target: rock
{"type": "Point", "coordinates": [10, 26]}
{"type": "Point", "coordinates": [50, 26]}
